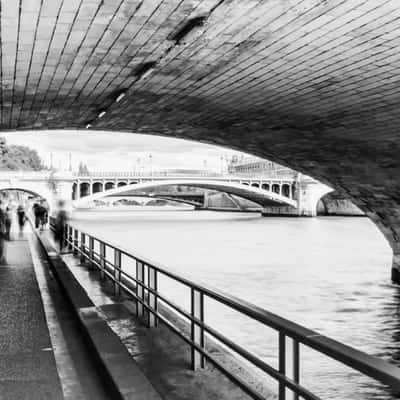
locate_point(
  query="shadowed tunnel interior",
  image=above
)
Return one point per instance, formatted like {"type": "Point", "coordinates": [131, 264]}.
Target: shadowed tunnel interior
{"type": "Point", "coordinates": [310, 84]}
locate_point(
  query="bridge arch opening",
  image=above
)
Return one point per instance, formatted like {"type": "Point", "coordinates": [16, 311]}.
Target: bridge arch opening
{"type": "Point", "coordinates": [157, 202]}
{"type": "Point", "coordinates": [19, 195]}
{"type": "Point", "coordinates": [97, 187]}
{"type": "Point", "coordinates": [84, 189]}
{"type": "Point", "coordinates": [336, 204]}
{"type": "Point", "coordinates": [276, 188]}
{"type": "Point", "coordinates": [109, 185]}
{"type": "Point", "coordinates": [126, 202]}
{"type": "Point", "coordinates": [286, 190]}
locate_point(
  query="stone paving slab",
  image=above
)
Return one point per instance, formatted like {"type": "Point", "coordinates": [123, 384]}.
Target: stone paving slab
{"type": "Point", "coordinates": [27, 368]}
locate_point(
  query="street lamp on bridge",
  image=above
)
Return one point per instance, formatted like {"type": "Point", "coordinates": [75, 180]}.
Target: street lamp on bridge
{"type": "Point", "coordinates": [151, 164]}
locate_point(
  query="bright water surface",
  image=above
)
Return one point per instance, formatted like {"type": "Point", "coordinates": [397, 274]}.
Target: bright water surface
{"type": "Point", "coordinates": [330, 274]}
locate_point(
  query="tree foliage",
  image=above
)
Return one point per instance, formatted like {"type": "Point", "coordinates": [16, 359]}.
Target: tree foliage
{"type": "Point", "coordinates": [16, 158]}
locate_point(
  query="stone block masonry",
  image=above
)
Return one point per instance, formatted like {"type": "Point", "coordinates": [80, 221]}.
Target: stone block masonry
{"type": "Point", "coordinates": [313, 85]}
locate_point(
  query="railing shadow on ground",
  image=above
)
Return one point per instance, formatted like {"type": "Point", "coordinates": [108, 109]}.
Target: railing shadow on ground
{"type": "Point", "coordinates": [143, 288]}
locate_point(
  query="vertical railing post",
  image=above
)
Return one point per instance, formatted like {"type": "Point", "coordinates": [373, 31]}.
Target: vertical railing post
{"type": "Point", "coordinates": [65, 235]}
{"type": "Point", "coordinates": [75, 248]}
{"type": "Point", "coordinates": [197, 331]}
{"type": "Point", "coordinates": [102, 260]}
{"type": "Point", "coordinates": [296, 365]}
{"type": "Point", "coordinates": [91, 252]}
{"type": "Point", "coordinates": [139, 288]}
{"type": "Point", "coordinates": [70, 239]}
{"type": "Point", "coordinates": [282, 365]}
{"type": "Point", "coordinates": [292, 366]}
{"type": "Point", "coordinates": [152, 297]}
{"type": "Point", "coordinates": [83, 239]}
{"type": "Point", "coordinates": [117, 272]}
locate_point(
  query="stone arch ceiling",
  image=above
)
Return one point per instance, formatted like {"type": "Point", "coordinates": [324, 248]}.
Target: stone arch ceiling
{"type": "Point", "coordinates": [314, 84]}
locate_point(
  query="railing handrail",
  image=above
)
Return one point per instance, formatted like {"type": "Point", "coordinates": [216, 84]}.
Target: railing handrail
{"type": "Point", "coordinates": [370, 365]}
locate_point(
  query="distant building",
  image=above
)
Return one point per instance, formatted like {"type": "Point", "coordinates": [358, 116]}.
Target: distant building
{"type": "Point", "coordinates": [257, 167]}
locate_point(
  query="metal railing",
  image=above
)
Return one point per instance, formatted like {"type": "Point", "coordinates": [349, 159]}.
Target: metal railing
{"type": "Point", "coordinates": [143, 288]}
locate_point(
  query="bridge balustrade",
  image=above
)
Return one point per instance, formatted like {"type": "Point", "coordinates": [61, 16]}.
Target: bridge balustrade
{"type": "Point", "coordinates": [143, 287]}
{"type": "Point", "coordinates": [146, 174]}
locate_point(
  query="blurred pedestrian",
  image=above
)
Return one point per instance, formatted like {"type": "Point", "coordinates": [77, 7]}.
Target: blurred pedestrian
{"type": "Point", "coordinates": [44, 214]}
{"type": "Point", "coordinates": [8, 222]}
{"type": "Point", "coordinates": [59, 225]}
{"type": "Point", "coordinates": [36, 213]}
{"type": "Point", "coordinates": [2, 234]}
{"type": "Point", "coordinates": [21, 217]}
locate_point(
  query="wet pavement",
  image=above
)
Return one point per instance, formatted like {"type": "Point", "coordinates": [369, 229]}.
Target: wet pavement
{"type": "Point", "coordinates": [27, 369]}
{"type": "Point", "coordinates": [43, 354]}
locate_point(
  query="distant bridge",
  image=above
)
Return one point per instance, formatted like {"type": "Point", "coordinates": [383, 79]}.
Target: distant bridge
{"type": "Point", "coordinates": [88, 184]}
{"type": "Point", "coordinates": [277, 195]}
{"type": "Point", "coordinates": [266, 198]}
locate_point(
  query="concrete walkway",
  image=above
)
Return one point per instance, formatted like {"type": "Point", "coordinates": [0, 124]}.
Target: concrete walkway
{"type": "Point", "coordinates": [27, 365]}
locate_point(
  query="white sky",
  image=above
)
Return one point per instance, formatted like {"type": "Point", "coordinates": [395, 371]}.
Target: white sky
{"type": "Point", "coordinates": [113, 151]}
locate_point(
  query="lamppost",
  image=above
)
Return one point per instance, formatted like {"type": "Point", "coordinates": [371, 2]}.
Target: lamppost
{"type": "Point", "coordinates": [151, 165]}
{"type": "Point", "coordinates": [138, 165]}
{"type": "Point", "coordinates": [204, 173]}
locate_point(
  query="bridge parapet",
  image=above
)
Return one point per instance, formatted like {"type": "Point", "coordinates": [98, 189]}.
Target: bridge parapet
{"type": "Point", "coordinates": [141, 174]}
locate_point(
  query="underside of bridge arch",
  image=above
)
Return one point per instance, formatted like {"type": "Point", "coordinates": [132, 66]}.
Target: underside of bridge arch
{"type": "Point", "coordinates": [109, 185]}
{"type": "Point", "coordinates": [35, 193]}
{"type": "Point", "coordinates": [334, 203]}
{"type": "Point", "coordinates": [299, 83]}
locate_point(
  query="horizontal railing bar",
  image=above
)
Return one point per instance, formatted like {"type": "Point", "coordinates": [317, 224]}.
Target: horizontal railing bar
{"type": "Point", "coordinates": [263, 366]}
{"type": "Point", "coordinates": [367, 364]}
{"type": "Point", "coordinates": [243, 385]}
{"type": "Point", "coordinates": [238, 349]}
{"type": "Point", "coordinates": [215, 334]}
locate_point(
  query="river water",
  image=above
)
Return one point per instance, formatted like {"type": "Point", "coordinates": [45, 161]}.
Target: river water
{"type": "Point", "coordinates": [330, 274]}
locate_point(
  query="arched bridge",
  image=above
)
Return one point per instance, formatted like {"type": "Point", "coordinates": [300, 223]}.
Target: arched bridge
{"type": "Point", "coordinates": [287, 196]}
{"type": "Point", "coordinates": [257, 195]}
{"type": "Point", "coordinates": [42, 184]}
{"type": "Point", "coordinates": [91, 183]}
